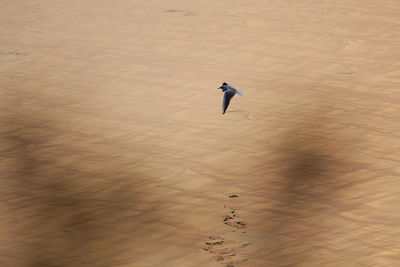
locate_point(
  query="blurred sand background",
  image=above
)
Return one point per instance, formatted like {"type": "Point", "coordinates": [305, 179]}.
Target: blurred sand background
{"type": "Point", "coordinates": [114, 151]}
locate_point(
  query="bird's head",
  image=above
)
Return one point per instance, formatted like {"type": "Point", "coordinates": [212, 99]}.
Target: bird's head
{"type": "Point", "coordinates": [223, 87]}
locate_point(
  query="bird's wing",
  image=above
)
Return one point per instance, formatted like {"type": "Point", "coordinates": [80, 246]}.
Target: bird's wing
{"type": "Point", "coordinates": [227, 98]}
{"type": "Point", "coordinates": [230, 87]}
{"type": "Point", "coordinates": [234, 89]}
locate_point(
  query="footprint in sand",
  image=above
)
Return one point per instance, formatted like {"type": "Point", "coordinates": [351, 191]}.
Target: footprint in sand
{"type": "Point", "coordinates": [224, 251]}
{"type": "Point", "coordinates": [232, 219]}
{"type": "Point", "coordinates": [227, 252]}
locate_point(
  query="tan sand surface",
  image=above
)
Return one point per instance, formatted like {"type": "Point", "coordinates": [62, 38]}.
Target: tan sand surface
{"type": "Point", "coordinates": [114, 151]}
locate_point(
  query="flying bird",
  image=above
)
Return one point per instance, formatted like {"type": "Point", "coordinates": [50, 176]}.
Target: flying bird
{"type": "Point", "coordinates": [230, 91]}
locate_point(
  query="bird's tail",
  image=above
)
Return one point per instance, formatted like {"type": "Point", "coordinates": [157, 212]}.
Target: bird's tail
{"type": "Point", "coordinates": [239, 92]}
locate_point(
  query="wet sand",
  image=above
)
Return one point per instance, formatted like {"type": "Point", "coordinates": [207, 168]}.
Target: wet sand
{"type": "Point", "coordinates": [114, 151]}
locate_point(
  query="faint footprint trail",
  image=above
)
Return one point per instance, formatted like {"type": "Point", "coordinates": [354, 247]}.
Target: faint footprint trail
{"type": "Point", "coordinates": [246, 115]}
{"type": "Point", "coordinates": [183, 12]}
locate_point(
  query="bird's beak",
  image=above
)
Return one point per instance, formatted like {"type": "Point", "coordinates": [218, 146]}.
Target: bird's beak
{"type": "Point", "coordinates": [219, 88]}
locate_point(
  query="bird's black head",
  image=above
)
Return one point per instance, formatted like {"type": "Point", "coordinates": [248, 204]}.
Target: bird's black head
{"type": "Point", "coordinates": [223, 87]}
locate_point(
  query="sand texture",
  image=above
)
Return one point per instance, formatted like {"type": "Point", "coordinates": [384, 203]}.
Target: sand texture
{"type": "Point", "coordinates": [114, 151]}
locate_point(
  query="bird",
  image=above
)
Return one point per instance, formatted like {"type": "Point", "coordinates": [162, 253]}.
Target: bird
{"type": "Point", "coordinates": [230, 91]}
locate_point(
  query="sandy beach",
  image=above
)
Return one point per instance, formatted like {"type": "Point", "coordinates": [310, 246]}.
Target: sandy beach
{"type": "Point", "coordinates": [114, 151]}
